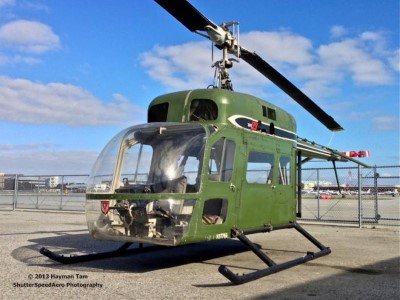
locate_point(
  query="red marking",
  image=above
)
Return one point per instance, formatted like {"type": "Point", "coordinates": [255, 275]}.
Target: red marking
{"type": "Point", "coordinates": [361, 153]}
{"type": "Point", "coordinates": [254, 125]}
{"type": "Point", "coordinates": [105, 207]}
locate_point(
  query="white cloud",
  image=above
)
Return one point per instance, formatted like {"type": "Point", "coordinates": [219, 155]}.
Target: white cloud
{"type": "Point", "coordinates": [7, 2]}
{"type": "Point", "coordinates": [387, 123]}
{"type": "Point", "coordinates": [318, 71]}
{"type": "Point", "coordinates": [18, 59]}
{"type": "Point", "coordinates": [189, 65]}
{"type": "Point", "coordinates": [358, 115]}
{"type": "Point", "coordinates": [370, 36]}
{"type": "Point", "coordinates": [349, 57]}
{"type": "Point", "coordinates": [25, 147]}
{"type": "Point", "coordinates": [34, 6]}
{"type": "Point", "coordinates": [181, 66]}
{"type": "Point", "coordinates": [29, 36]}
{"type": "Point", "coordinates": [394, 60]}
{"type": "Point", "coordinates": [48, 162]}
{"type": "Point", "coordinates": [279, 47]}
{"type": "Point", "coordinates": [25, 101]}
{"type": "Point", "coordinates": [338, 31]}
{"type": "Point", "coordinates": [364, 58]}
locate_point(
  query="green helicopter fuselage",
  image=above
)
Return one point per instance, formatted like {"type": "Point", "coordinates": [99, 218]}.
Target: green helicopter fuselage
{"type": "Point", "coordinates": [207, 161]}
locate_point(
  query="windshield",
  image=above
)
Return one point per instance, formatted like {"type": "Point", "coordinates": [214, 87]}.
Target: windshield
{"type": "Point", "coordinates": [151, 158]}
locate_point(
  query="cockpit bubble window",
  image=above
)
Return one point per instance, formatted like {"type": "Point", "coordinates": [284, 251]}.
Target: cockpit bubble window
{"type": "Point", "coordinates": [161, 159]}
{"type": "Point", "coordinates": [158, 113]}
{"type": "Point", "coordinates": [100, 180]}
{"type": "Point", "coordinates": [203, 110]}
{"type": "Point", "coordinates": [151, 158]}
{"type": "Point", "coordinates": [136, 157]}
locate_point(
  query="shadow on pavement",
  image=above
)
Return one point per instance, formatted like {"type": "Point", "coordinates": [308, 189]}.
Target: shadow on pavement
{"type": "Point", "coordinates": [77, 244]}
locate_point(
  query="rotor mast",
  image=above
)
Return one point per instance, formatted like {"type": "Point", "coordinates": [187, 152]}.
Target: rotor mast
{"type": "Point", "coordinates": [226, 42]}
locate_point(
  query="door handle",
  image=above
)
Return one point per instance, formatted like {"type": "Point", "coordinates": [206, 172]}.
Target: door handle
{"type": "Point", "coordinates": [232, 187]}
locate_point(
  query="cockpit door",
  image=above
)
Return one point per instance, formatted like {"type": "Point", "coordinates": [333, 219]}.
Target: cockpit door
{"type": "Point", "coordinates": [259, 182]}
{"type": "Point", "coordinates": [221, 182]}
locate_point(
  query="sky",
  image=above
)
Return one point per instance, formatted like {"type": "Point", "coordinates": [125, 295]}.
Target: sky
{"type": "Point", "coordinates": [75, 73]}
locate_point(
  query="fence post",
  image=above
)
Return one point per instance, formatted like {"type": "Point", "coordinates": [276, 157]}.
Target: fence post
{"type": "Point", "coordinates": [376, 176]}
{"type": "Point", "coordinates": [37, 193]}
{"type": "Point", "coordinates": [15, 192]}
{"type": "Point", "coordinates": [62, 191]}
{"type": "Point", "coordinates": [360, 212]}
{"type": "Point", "coordinates": [318, 197]}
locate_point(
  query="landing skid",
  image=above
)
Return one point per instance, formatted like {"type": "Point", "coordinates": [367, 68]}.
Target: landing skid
{"type": "Point", "coordinates": [234, 278]}
{"type": "Point", "coordinates": [272, 266]}
{"type": "Point", "coordinates": [121, 251]}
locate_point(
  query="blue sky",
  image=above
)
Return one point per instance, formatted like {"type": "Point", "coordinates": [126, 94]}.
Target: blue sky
{"type": "Point", "coordinates": [74, 73]}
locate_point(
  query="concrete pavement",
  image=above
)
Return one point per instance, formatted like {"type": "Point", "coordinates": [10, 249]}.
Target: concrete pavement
{"type": "Point", "coordinates": [364, 264]}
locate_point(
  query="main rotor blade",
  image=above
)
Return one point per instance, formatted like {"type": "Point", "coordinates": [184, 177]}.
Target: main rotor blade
{"type": "Point", "coordinates": [289, 88]}
{"type": "Point", "coordinates": [186, 13]}
{"type": "Point", "coordinates": [192, 19]}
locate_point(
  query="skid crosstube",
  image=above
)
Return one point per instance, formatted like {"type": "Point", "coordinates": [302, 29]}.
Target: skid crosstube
{"type": "Point", "coordinates": [234, 278]}
{"type": "Point", "coordinates": [272, 266]}
{"type": "Point", "coordinates": [121, 251]}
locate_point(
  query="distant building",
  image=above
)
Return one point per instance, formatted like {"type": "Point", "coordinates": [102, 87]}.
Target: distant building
{"type": "Point", "coordinates": [7, 182]}
{"type": "Point", "coordinates": [52, 182]}
{"type": "Point", "coordinates": [307, 184]}
{"type": "Point", "coordinates": [2, 181]}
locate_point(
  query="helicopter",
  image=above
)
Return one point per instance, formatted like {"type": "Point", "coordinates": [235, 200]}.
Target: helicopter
{"type": "Point", "coordinates": [209, 164]}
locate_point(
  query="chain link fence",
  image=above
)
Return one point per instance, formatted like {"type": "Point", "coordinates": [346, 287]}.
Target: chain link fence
{"type": "Point", "coordinates": [53, 192]}
{"type": "Point", "coordinates": [350, 195]}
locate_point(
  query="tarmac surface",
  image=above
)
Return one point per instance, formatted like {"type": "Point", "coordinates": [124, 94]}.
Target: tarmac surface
{"type": "Point", "coordinates": [364, 264]}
